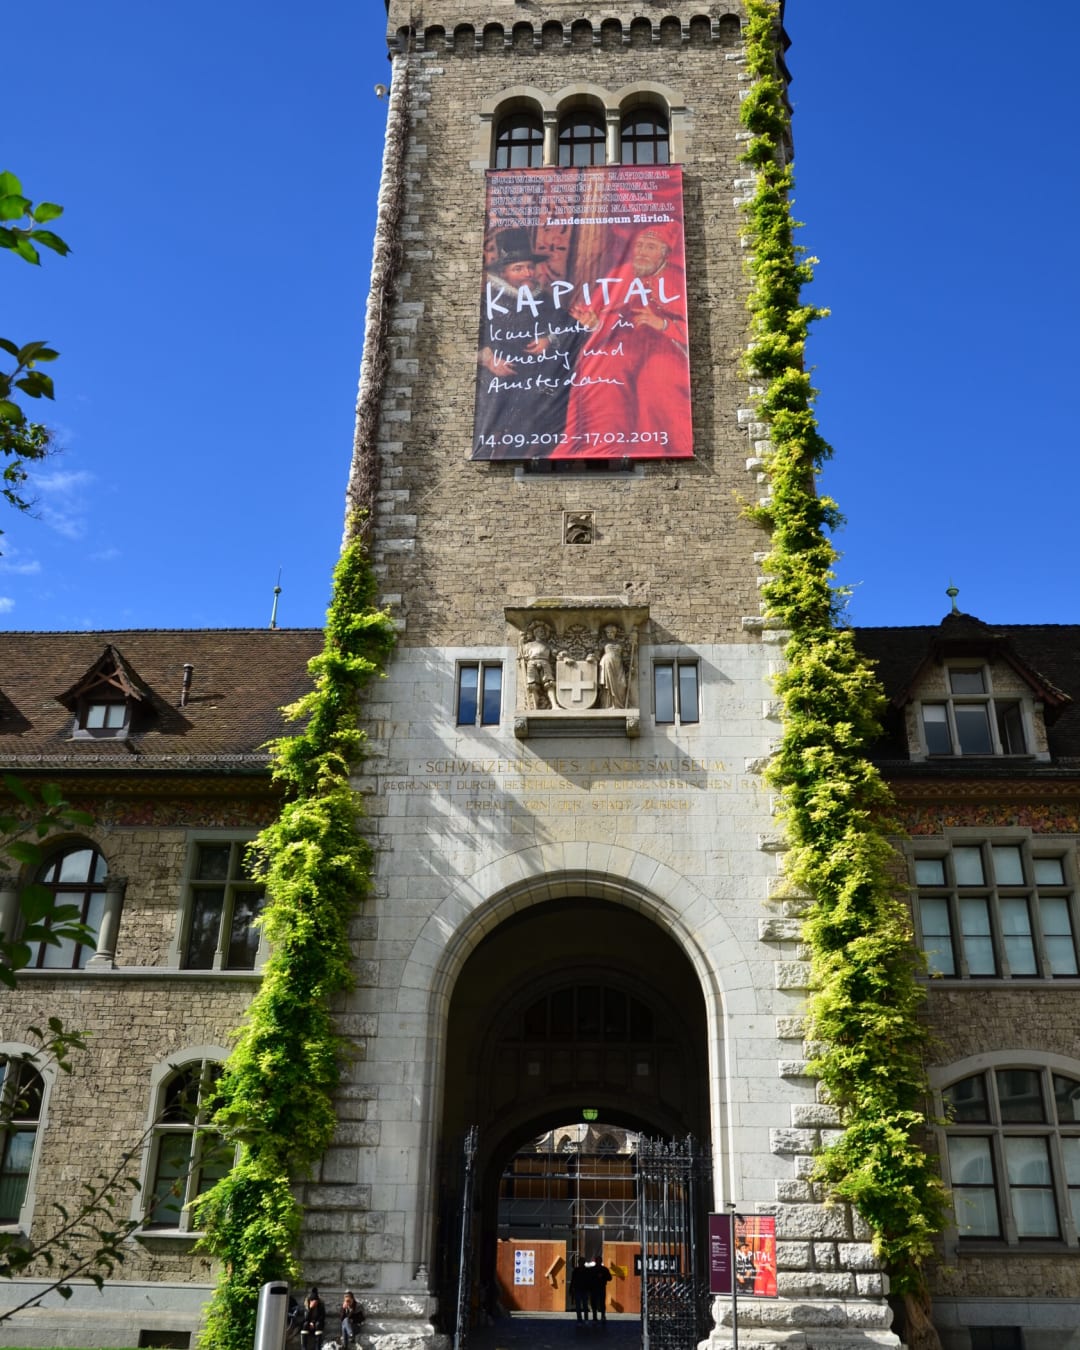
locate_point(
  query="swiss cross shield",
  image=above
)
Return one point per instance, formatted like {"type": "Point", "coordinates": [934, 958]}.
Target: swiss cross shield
{"type": "Point", "coordinates": [576, 682]}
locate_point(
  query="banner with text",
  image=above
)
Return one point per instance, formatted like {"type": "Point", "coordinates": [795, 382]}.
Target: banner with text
{"type": "Point", "coordinates": [583, 349]}
{"type": "Point", "coordinates": [753, 1259]}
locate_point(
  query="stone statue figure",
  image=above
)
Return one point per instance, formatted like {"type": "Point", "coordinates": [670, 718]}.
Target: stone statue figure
{"type": "Point", "coordinates": [534, 653]}
{"type": "Point", "coordinates": [614, 671]}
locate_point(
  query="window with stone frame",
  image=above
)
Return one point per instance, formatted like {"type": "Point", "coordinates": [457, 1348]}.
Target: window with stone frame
{"type": "Point", "coordinates": [676, 693]}
{"type": "Point", "coordinates": [479, 693]}
{"type": "Point", "coordinates": [644, 136]}
{"type": "Point", "coordinates": [519, 141]}
{"type": "Point", "coordinates": [971, 719]}
{"type": "Point", "coordinates": [76, 877]}
{"type": "Point", "coordinates": [1013, 1151]}
{"type": "Point", "coordinates": [22, 1091]}
{"type": "Point", "coordinates": [222, 903]}
{"type": "Point", "coordinates": [185, 1158]}
{"type": "Point", "coordinates": [582, 138]}
{"type": "Point", "coordinates": [997, 908]}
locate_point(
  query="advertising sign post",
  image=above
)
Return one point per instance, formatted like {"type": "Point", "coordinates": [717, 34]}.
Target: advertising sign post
{"type": "Point", "coordinates": [742, 1259]}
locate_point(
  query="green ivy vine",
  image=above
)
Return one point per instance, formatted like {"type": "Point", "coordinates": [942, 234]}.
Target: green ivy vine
{"type": "Point", "coordinates": [863, 1012]}
{"type": "Point", "coordinates": [275, 1096]}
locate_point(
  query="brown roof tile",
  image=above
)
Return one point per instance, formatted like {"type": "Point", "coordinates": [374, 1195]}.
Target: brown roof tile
{"type": "Point", "coordinates": [241, 678]}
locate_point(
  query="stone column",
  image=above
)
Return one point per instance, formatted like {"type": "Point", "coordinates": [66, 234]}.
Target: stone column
{"type": "Point", "coordinates": [9, 905]}
{"type": "Point", "coordinates": [551, 139]}
{"type": "Point", "coordinates": [105, 954]}
{"type": "Point", "coordinates": [613, 126]}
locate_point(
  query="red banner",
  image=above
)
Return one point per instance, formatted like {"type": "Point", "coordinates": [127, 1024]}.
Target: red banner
{"type": "Point", "coordinates": [583, 349]}
{"type": "Point", "coordinates": [755, 1255]}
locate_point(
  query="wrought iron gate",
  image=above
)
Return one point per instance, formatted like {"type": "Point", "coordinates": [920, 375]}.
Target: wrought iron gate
{"type": "Point", "coordinates": [673, 1187]}
{"type": "Point", "coordinates": [455, 1263]}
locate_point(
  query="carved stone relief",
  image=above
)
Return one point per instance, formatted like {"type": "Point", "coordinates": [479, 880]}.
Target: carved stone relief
{"type": "Point", "coordinates": [578, 659]}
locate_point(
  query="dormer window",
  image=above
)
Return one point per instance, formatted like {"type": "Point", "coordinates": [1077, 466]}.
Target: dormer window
{"type": "Point", "coordinates": [972, 721]}
{"type": "Point", "coordinates": [109, 701]}
{"type": "Point", "coordinates": [98, 717]}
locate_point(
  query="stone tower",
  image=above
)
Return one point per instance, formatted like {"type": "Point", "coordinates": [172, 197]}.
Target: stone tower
{"type": "Point", "coordinates": [575, 842]}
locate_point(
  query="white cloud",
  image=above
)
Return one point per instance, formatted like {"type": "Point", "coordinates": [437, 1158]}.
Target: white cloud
{"type": "Point", "coordinates": [6, 604]}
{"type": "Point", "coordinates": [30, 567]}
{"type": "Point", "coordinates": [61, 500]}
{"type": "Point", "coordinates": [61, 480]}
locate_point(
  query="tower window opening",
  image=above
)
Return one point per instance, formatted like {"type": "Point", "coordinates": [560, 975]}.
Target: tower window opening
{"type": "Point", "coordinates": [644, 138]}
{"type": "Point", "coordinates": [519, 142]}
{"type": "Point", "coordinates": [581, 138]}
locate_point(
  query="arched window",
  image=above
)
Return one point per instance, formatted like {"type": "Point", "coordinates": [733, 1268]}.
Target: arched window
{"type": "Point", "coordinates": [21, 1093]}
{"type": "Point", "coordinates": [644, 137]}
{"type": "Point", "coordinates": [519, 142]}
{"type": "Point", "coordinates": [581, 137]}
{"type": "Point", "coordinates": [185, 1158]}
{"type": "Point", "coordinates": [1014, 1154]}
{"type": "Point", "coordinates": [77, 878]}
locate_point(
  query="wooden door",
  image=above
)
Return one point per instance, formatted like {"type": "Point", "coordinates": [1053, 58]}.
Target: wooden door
{"type": "Point", "coordinates": [624, 1291]}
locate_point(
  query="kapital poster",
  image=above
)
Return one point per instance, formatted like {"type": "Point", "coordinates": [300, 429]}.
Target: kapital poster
{"type": "Point", "coordinates": [583, 347]}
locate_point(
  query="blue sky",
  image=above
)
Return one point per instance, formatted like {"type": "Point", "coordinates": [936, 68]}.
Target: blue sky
{"type": "Point", "coordinates": [219, 163]}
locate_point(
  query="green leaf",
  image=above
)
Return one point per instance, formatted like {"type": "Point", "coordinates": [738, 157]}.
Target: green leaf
{"type": "Point", "coordinates": [13, 206]}
{"type": "Point", "coordinates": [25, 249]}
{"type": "Point", "coordinates": [50, 240]}
{"type": "Point", "coordinates": [36, 384]}
{"type": "Point", "coordinates": [9, 184]}
{"type": "Point", "coordinates": [20, 792]}
{"type": "Point", "coordinates": [11, 412]}
{"type": "Point", "coordinates": [23, 852]}
{"type": "Point", "coordinates": [27, 353]}
{"type": "Point", "coordinates": [8, 346]}
{"type": "Point", "coordinates": [36, 902]}
{"type": "Point", "coordinates": [45, 211]}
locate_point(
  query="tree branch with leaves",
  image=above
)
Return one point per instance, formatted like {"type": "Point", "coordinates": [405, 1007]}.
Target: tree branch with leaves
{"type": "Point", "coordinates": [23, 232]}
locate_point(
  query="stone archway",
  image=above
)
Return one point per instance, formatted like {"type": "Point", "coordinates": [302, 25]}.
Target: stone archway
{"type": "Point", "coordinates": [570, 1004]}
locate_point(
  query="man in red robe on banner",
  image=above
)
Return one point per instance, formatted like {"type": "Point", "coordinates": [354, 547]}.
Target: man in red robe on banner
{"type": "Point", "coordinates": [630, 388]}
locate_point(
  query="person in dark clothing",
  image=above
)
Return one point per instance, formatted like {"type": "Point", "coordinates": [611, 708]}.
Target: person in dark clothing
{"type": "Point", "coordinates": [599, 1278]}
{"type": "Point", "coordinates": [579, 1289]}
{"type": "Point", "coordinates": [313, 1321]}
{"type": "Point", "coordinates": [351, 1317]}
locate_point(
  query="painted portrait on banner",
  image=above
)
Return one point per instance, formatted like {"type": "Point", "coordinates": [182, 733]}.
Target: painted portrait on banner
{"type": "Point", "coordinates": [583, 347]}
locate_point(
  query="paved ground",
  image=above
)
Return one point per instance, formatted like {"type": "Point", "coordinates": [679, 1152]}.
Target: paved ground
{"type": "Point", "coordinates": [558, 1331]}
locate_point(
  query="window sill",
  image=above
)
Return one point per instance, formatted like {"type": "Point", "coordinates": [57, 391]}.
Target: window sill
{"type": "Point", "coordinates": [166, 1239]}
{"type": "Point", "coordinates": [1003, 1247]}
{"type": "Point", "coordinates": [592, 722]}
{"type": "Point", "coordinates": [144, 973]}
{"type": "Point", "coordinates": [998, 981]}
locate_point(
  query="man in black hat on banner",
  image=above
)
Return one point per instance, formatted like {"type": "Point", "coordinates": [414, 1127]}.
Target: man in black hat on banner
{"type": "Point", "coordinates": [525, 357]}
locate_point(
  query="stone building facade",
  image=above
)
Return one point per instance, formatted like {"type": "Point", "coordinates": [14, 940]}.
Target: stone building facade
{"type": "Point", "coordinates": [160, 738]}
{"type": "Point", "coordinates": [539, 852]}
{"type": "Point", "coordinates": [981, 750]}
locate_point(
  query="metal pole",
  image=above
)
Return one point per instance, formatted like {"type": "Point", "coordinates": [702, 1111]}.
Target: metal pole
{"type": "Point", "coordinates": [734, 1282]}
{"type": "Point", "coordinates": [644, 1230]}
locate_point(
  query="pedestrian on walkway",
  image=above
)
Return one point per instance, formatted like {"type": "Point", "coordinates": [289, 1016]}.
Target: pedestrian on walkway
{"type": "Point", "coordinates": [579, 1289]}
{"type": "Point", "coordinates": [599, 1279]}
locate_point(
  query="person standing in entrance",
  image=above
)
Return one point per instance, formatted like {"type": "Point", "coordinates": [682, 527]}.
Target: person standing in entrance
{"type": "Point", "coordinates": [579, 1289]}
{"type": "Point", "coordinates": [599, 1279]}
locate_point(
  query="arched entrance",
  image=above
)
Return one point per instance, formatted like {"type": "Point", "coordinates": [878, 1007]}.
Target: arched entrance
{"type": "Point", "coordinates": [572, 1010]}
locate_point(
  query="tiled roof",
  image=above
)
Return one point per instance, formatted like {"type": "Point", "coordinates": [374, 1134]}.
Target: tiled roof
{"type": "Point", "coordinates": [240, 679]}
{"type": "Point", "coordinates": [1052, 651]}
